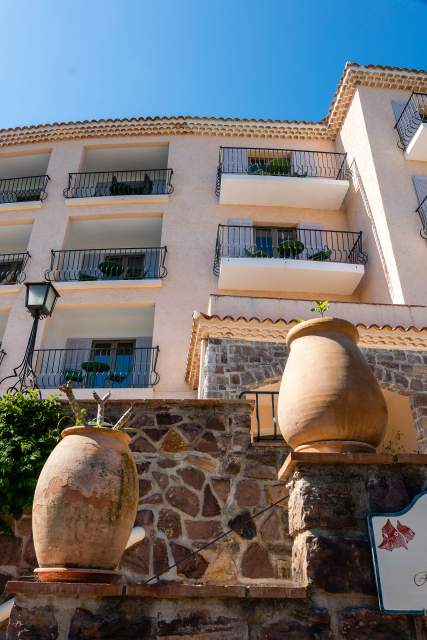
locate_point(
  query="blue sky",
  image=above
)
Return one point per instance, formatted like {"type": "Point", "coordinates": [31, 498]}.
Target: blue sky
{"type": "Point", "coordinates": [82, 59]}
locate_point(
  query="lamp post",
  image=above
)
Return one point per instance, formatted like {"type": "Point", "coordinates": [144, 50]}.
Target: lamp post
{"type": "Point", "coordinates": [40, 300]}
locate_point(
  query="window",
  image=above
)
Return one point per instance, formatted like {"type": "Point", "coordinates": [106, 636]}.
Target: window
{"type": "Point", "coordinates": [116, 363]}
{"type": "Point", "coordinates": [268, 241]}
{"type": "Point", "coordinates": [129, 267]}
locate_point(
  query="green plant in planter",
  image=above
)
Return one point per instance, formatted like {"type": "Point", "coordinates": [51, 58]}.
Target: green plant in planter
{"type": "Point", "coordinates": [111, 268]}
{"type": "Point", "coordinates": [258, 253]}
{"type": "Point", "coordinates": [320, 306]}
{"type": "Point", "coordinates": [29, 429]}
{"type": "Point", "coordinates": [95, 366]}
{"type": "Point", "coordinates": [290, 248]}
{"type": "Point", "coordinates": [279, 167]}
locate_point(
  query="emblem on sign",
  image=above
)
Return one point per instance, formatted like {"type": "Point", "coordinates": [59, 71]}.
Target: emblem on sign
{"type": "Point", "coordinates": [400, 557]}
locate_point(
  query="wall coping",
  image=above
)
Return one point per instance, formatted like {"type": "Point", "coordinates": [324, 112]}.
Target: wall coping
{"type": "Point", "coordinates": [294, 458]}
{"type": "Point", "coordinates": [168, 590]}
{"type": "Point", "coordinates": [154, 403]}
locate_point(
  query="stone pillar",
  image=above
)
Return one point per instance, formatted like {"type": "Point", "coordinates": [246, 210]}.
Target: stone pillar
{"type": "Point", "coordinates": [330, 497]}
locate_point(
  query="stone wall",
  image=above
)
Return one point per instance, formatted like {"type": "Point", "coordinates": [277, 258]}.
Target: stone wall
{"type": "Point", "coordinates": [328, 505]}
{"type": "Point", "coordinates": [199, 477]}
{"type": "Point", "coordinates": [233, 366]}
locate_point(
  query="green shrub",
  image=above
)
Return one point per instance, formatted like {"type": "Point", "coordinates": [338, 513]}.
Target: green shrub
{"type": "Point", "coordinates": [279, 167]}
{"type": "Point", "coordinates": [29, 430]}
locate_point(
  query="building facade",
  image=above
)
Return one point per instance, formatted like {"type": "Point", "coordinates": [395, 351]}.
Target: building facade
{"type": "Point", "coordinates": [185, 248]}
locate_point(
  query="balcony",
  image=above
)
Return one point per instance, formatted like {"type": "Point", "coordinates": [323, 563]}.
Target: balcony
{"type": "Point", "coordinates": [412, 127]}
{"type": "Point", "coordinates": [126, 186]}
{"type": "Point", "coordinates": [105, 364]}
{"type": "Point", "coordinates": [282, 177]}
{"type": "Point", "coordinates": [21, 190]}
{"type": "Point", "coordinates": [89, 265]}
{"type": "Point", "coordinates": [288, 259]}
{"type": "Point", "coordinates": [12, 267]}
{"type": "Point", "coordinates": [422, 212]}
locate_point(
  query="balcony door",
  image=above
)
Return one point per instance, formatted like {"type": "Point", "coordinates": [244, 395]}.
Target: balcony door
{"type": "Point", "coordinates": [267, 240]}
{"type": "Point", "coordinates": [117, 356]}
{"type": "Point", "coordinates": [132, 266]}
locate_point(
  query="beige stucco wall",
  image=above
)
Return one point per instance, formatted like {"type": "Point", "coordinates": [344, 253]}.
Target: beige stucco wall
{"type": "Point", "coordinates": [190, 218]}
{"type": "Point", "coordinates": [368, 136]}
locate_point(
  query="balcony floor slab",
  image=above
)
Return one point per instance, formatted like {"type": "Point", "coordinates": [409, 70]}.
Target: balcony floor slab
{"type": "Point", "coordinates": [85, 285]}
{"type": "Point", "coordinates": [417, 148]}
{"type": "Point", "coordinates": [111, 200]}
{"type": "Point", "coordinates": [275, 191]}
{"type": "Point", "coordinates": [278, 274]}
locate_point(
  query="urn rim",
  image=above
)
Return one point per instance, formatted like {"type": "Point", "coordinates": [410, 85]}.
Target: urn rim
{"type": "Point", "coordinates": [91, 431]}
{"type": "Point", "coordinates": [321, 326]}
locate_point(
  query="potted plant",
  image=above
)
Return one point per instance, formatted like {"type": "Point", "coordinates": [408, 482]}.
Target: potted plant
{"type": "Point", "coordinates": [329, 399]}
{"type": "Point", "coordinates": [279, 167]}
{"type": "Point", "coordinates": [95, 366]}
{"type": "Point", "coordinates": [256, 253]}
{"type": "Point", "coordinates": [290, 248]}
{"type": "Point", "coordinates": [85, 500]}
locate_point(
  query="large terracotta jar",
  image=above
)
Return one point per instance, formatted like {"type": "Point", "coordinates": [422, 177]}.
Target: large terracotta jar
{"type": "Point", "coordinates": [329, 399]}
{"type": "Point", "coordinates": [85, 505]}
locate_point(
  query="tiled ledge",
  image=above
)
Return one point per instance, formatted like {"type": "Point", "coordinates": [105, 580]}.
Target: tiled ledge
{"type": "Point", "coordinates": [169, 590]}
{"type": "Point", "coordinates": [295, 458]}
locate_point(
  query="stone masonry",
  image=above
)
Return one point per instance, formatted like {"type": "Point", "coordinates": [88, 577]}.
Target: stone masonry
{"type": "Point", "coordinates": [328, 504]}
{"type": "Point", "coordinates": [233, 366]}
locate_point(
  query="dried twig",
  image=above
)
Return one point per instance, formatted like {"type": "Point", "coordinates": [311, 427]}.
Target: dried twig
{"type": "Point", "coordinates": [101, 407]}
{"type": "Point", "coordinates": [79, 413]}
{"type": "Point", "coordinates": [124, 419]}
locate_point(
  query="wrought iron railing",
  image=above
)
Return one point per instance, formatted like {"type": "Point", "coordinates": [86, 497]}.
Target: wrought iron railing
{"type": "Point", "coordinates": [23, 189]}
{"type": "Point", "coordinates": [2, 355]}
{"type": "Point", "coordinates": [119, 183]}
{"type": "Point", "coordinates": [422, 212]}
{"type": "Point", "coordinates": [107, 264]}
{"type": "Point", "coordinates": [98, 367]}
{"type": "Point", "coordinates": [413, 114]}
{"type": "Point", "coordinates": [12, 267]}
{"type": "Point", "coordinates": [318, 245]}
{"type": "Point", "coordinates": [281, 162]}
{"type": "Point", "coordinates": [265, 414]}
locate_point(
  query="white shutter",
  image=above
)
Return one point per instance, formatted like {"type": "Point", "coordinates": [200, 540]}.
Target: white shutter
{"type": "Point", "coordinates": [240, 237]}
{"type": "Point", "coordinates": [234, 160]}
{"type": "Point", "coordinates": [420, 184]}
{"type": "Point", "coordinates": [312, 238]}
{"type": "Point", "coordinates": [398, 106]}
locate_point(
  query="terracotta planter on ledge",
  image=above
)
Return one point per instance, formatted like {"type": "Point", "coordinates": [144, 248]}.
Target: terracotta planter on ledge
{"type": "Point", "coordinates": [329, 399]}
{"type": "Point", "coordinates": [84, 506]}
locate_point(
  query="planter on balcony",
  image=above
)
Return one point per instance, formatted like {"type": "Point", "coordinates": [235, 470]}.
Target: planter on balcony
{"type": "Point", "coordinates": [84, 506]}
{"type": "Point", "coordinates": [329, 399]}
{"type": "Point", "coordinates": [95, 366]}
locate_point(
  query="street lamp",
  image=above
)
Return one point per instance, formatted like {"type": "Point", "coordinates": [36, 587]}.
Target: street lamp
{"type": "Point", "coordinates": [40, 300]}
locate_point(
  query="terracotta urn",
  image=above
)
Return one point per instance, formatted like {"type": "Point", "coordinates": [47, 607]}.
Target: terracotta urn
{"type": "Point", "coordinates": [85, 505]}
{"type": "Point", "coordinates": [329, 399]}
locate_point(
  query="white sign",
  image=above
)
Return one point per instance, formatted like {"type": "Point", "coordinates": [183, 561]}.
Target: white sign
{"type": "Point", "coordinates": [399, 549]}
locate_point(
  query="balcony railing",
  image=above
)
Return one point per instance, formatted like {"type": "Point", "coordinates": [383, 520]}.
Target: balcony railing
{"type": "Point", "coordinates": [139, 182]}
{"type": "Point", "coordinates": [281, 162]}
{"type": "Point", "coordinates": [422, 212]}
{"type": "Point", "coordinates": [2, 355]}
{"type": "Point", "coordinates": [23, 189]}
{"type": "Point", "coordinates": [318, 245]}
{"type": "Point", "coordinates": [413, 114]}
{"type": "Point", "coordinates": [107, 264]}
{"type": "Point", "coordinates": [265, 414]}
{"type": "Point", "coordinates": [96, 367]}
{"type": "Point", "coordinates": [12, 267]}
